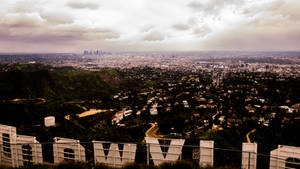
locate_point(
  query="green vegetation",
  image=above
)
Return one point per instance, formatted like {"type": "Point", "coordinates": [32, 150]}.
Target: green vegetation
{"type": "Point", "coordinates": [36, 81]}
{"type": "Point", "coordinates": [30, 92]}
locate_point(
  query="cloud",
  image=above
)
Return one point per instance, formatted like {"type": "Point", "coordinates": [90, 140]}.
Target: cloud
{"type": "Point", "coordinates": [264, 7]}
{"type": "Point", "coordinates": [54, 39]}
{"type": "Point", "coordinates": [147, 28]}
{"type": "Point", "coordinates": [202, 31]}
{"type": "Point", "coordinates": [149, 25]}
{"type": "Point", "coordinates": [83, 5]}
{"type": "Point", "coordinates": [56, 17]}
{"type": "Point", "coordinates": [256, 39]}
{"type": "Point", "coordinates": [33, 29]}
{"type": "Point", "coordinates": [100, 34]}
{"type": "Point", "coordinates": [276, 14]}
{"type": "Point", "coordinates": [26, 6]}
{"type": "Point", "coordinates": [24, 21]}
{"type": "Point", "coordinates": [181, 27]}
{"type": "Point", "coordinates": [154, 36]}
{"type": "Point", "coordinates": [213, 6]}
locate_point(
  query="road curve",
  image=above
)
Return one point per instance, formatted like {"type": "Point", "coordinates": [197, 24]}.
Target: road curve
{"type": "Point", "coordinates": [248, 134]}
{"type": "Point", "coordinates": [151, 132]}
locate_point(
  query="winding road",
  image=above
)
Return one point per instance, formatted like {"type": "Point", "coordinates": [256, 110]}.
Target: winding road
{"type": "Point", "coordinates": [151, 132]}
{"type": "Point", "coordinates": [248, 134]}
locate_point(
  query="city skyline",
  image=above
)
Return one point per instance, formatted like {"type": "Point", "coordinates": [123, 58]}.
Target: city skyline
{"type": "Point", "coordinates": [140, 25]}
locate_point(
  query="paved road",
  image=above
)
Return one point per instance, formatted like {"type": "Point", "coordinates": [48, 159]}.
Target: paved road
{"type": "Point", "coordinates": [151, 132]}
{"type": "Point", "coordinates": [248, 134]}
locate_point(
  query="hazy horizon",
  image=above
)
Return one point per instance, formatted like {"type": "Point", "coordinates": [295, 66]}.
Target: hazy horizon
{"type": "Point", "coordinates": [170, 51]}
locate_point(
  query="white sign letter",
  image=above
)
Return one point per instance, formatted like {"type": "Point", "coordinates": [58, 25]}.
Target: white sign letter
{"type": "Point", "coordinates": [167, 150]}
{"type": "Point", "coordinates": [8, 153]}
{"type": "Point", "coordinates": [68, 150]}
{"type": "Point", "coordinates": [29, 151]}
{"type": "Point", "coordinates": [249, 156]}
{"type": "Point", "coordinates": [114, 154]}
{"type": "Point", "coordinates": [206, 153]}
{"type": "Point", "coordinates": [281, 154]}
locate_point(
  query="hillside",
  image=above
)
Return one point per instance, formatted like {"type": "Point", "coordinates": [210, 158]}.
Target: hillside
{"type": "Point", "coordinates": [37, 81]}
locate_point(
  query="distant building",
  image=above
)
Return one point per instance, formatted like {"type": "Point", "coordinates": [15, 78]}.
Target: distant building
{"type": "Point", "coordinates": [92, 52]}
{"type": "Point", "coordinates": [153, 110]}
{"type": "Point", "coordinates": [49, 121]}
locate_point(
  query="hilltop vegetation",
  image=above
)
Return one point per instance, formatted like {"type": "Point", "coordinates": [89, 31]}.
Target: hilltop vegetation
{"type": "Point", "coordinates": [38, 81]}
{"type": "Point", "coordinates": [30, 92]}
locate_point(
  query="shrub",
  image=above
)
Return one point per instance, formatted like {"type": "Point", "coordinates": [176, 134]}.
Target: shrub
{"type": "Point", "coordinates": [176, 165]}
{"type": "Point", "coordinates": [72, 165]}
{"type": "Point", "coordinates": [139, 166]}
{"type": "Point", "coordinates": [36, 166]}
{"type": "Point", "coordinates": [102, 166]}
{"type": "Point", "coordinates": [3, 167]}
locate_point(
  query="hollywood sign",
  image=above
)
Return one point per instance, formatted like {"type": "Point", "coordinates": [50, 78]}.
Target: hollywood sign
{"type": "Point", "coordinates": [18, 150]}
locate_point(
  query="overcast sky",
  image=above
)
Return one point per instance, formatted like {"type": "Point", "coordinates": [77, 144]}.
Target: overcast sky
{"type": "Point", "coordinates": [148, 25]}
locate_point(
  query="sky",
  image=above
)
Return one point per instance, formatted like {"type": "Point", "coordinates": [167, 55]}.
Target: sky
{"type": "Point", "coordinates": [149, 25]}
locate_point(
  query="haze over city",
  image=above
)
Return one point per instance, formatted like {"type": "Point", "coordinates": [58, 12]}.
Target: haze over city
{"type": "Point", "coordinates": [38, 26]}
